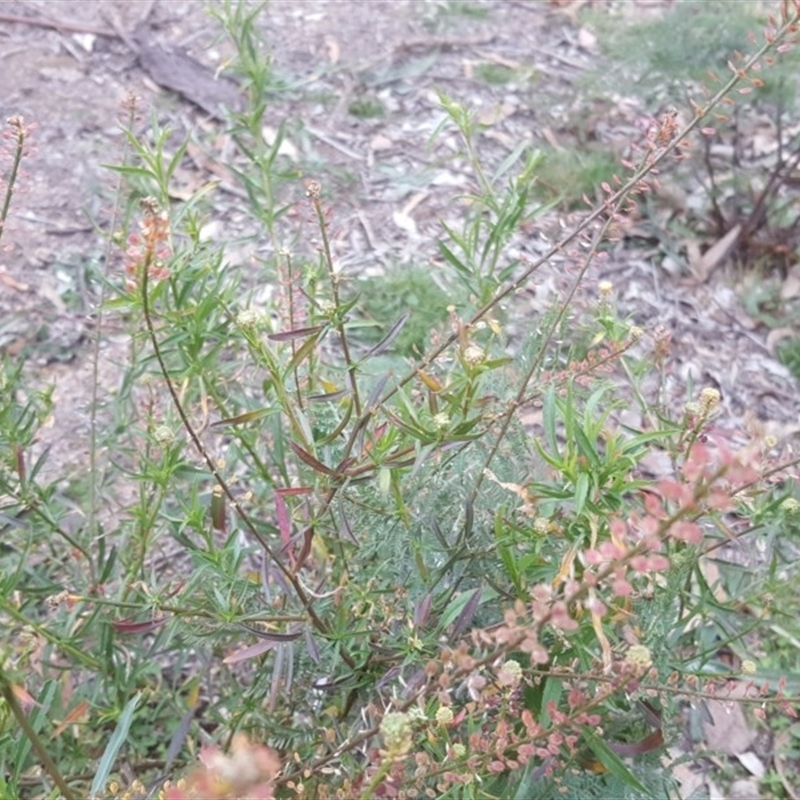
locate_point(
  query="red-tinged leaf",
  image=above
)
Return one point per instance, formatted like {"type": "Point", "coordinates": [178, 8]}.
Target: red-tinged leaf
{"type": "Point", "coordinates": [272, 636]}
{"type": "Point", "coordinates": [78, 714]}
{"type": "Point", "coordinates": [252, 651]}
{"type": "Point", "coordinates": [468, 612]}
{"type": "Point", "coordinates": [241, 419]}
{"type": "Point", "coordinates": [417, 433]}
{"type": "Point", "coordinates": [376, 437]}
{"type": "Point", "coordinates": [651, 742]}
{"type": "Point", "coordinates": [611, 762]}
{"type": "Point", "coordinates": [312, 462]}
{"type": "Point", "coordinates": [422, 610]}
{"type": "Point", "coordinates": [282, 517]}
{"type": "Point", "coordinates": [297, 333]}
{"type": "Point", "coordinates": [293, 491]}
{"type": "Point", "coordinates": [21, 471]}
{"type": "Point", "coordinates": [128, 627]}
{"type": "Point", "coordinates": [308, 538]}
{"type": "Point", "coordinates": [175, 591]}
{"type": "Point", "coordinates": [23, 697]}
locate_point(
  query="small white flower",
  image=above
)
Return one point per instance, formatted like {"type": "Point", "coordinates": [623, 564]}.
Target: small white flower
{"type": "Point", "coordinates": [510, 673]}
{"type": "Point", "coordinates": [709, 398]}
{"type": "Point", "coordinates": [790, 505]}
{"type": "Point", "coordinates": [473, 355]}
{"type": "Point", "coordinates": [541, 525]}
{"type": "Point", "coordinates": [639, 657]}
{"type": "Point", "coordinates": [397, 732]}
{"type": "Point", "coordinates": [635, 332]}
{"type": "Point", "coordinates": [247, 318]}
{"type": "Point", "coordinates": [444, 715]}
{"type": "Point", "coordinates": [693, 409]}
{"type": "Point", "coordinates": [164, 435]}
{"type": "Point", "coordinates": [441, 420]}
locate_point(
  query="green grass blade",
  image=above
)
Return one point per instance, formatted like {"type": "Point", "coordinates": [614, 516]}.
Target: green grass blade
{"type": "Point", "coordinates": [118, 738]}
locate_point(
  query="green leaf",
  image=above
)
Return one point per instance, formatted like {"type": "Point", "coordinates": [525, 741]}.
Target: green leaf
{"type": "Point", "coordinates": [549, 419]}
{"type": "Point", "coordinates": [585, 447]}
{"type": "Point", "coordinates": [511, 159]}
{"type": "Point", "coordinates": [612, 762]}
{"type": "Point", "coordinates": [453, 260]}
{"type": "Point", "coordinates": [507, 556]}
{"type": "Point", "coordinates": [241, 419]}
{"type": "Point", "coordinates": [553, 689]}
{"type": "Point", "coordinates": [302, 353]}
{"type": "Point", "coordinates": [118, 738]}
{"type": "Point", "coordinates": [581, 492]}
{"type": "Point", "coordinates": [384, 343]}
{"type": "Point", "coordinates": [130, 171]}
{"type": "Point", "coordinates": [459, 602]}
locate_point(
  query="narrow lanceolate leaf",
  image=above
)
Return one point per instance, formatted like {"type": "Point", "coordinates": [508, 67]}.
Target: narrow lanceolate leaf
{"type": "Point", "coordinates": [312, 462]}
{"type": "Point", "coordinates": [612, 762]}
{"type": "Point", "coordinates": [468, 612]}
{"type": "Point", "coordinates": [78, 714]}
{"type": "Point", "coordinates": [311, 646]}
{"type": "Point", "coordinates": [337, 431]}
{"type": "Point", "coordinates": [302, 353]}
{"type": "Point", "coordinates": [549, 419]}
{"type": "Point", "coordinates": [330, 397]}
{"type": "Point", "coordinates": [218, 516]}
{"type": "Point", "coordinates": [384, 343]}
{"type": "Point", "coordinates": [453, 260]}
{"type": "Point", "coordinates": [305, 550]}
{"type": "Point", "coordinates": [297, 333]}
{"type": "Point", "coordinates": [282, 518]}
{"type": "Point", "coordinates": [252, 651]}
{"type": "Point", "coordinates": [432, 383]}
{"type": "Point", "coordinates": [377, 391]}
{"type": "Point", "coordinates": [241, 419]}
{"type": "Point", "coordinates": [119, 737]}
{"type": "Point", "coordinates": [270, 641]}
{"type": "Point", "coordinates": [128, 627]}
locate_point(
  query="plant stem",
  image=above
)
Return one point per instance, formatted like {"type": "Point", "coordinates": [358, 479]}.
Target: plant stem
{"type": "Point", "coordinates": [17, 126]}
{"type": "Point", "coordinates": [7, 691]}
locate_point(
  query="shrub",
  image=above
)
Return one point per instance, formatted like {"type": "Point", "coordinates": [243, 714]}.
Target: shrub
{"type": "Point", "coordinates": [450, 577]}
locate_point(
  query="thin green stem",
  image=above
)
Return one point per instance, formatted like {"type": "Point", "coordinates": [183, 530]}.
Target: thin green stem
{"type": "Point", "coordinates": [334, 279]}
{"type": "Point", "coordinates": [7, 690]}
{"type": "Point", "coordinates": [18, 129]}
